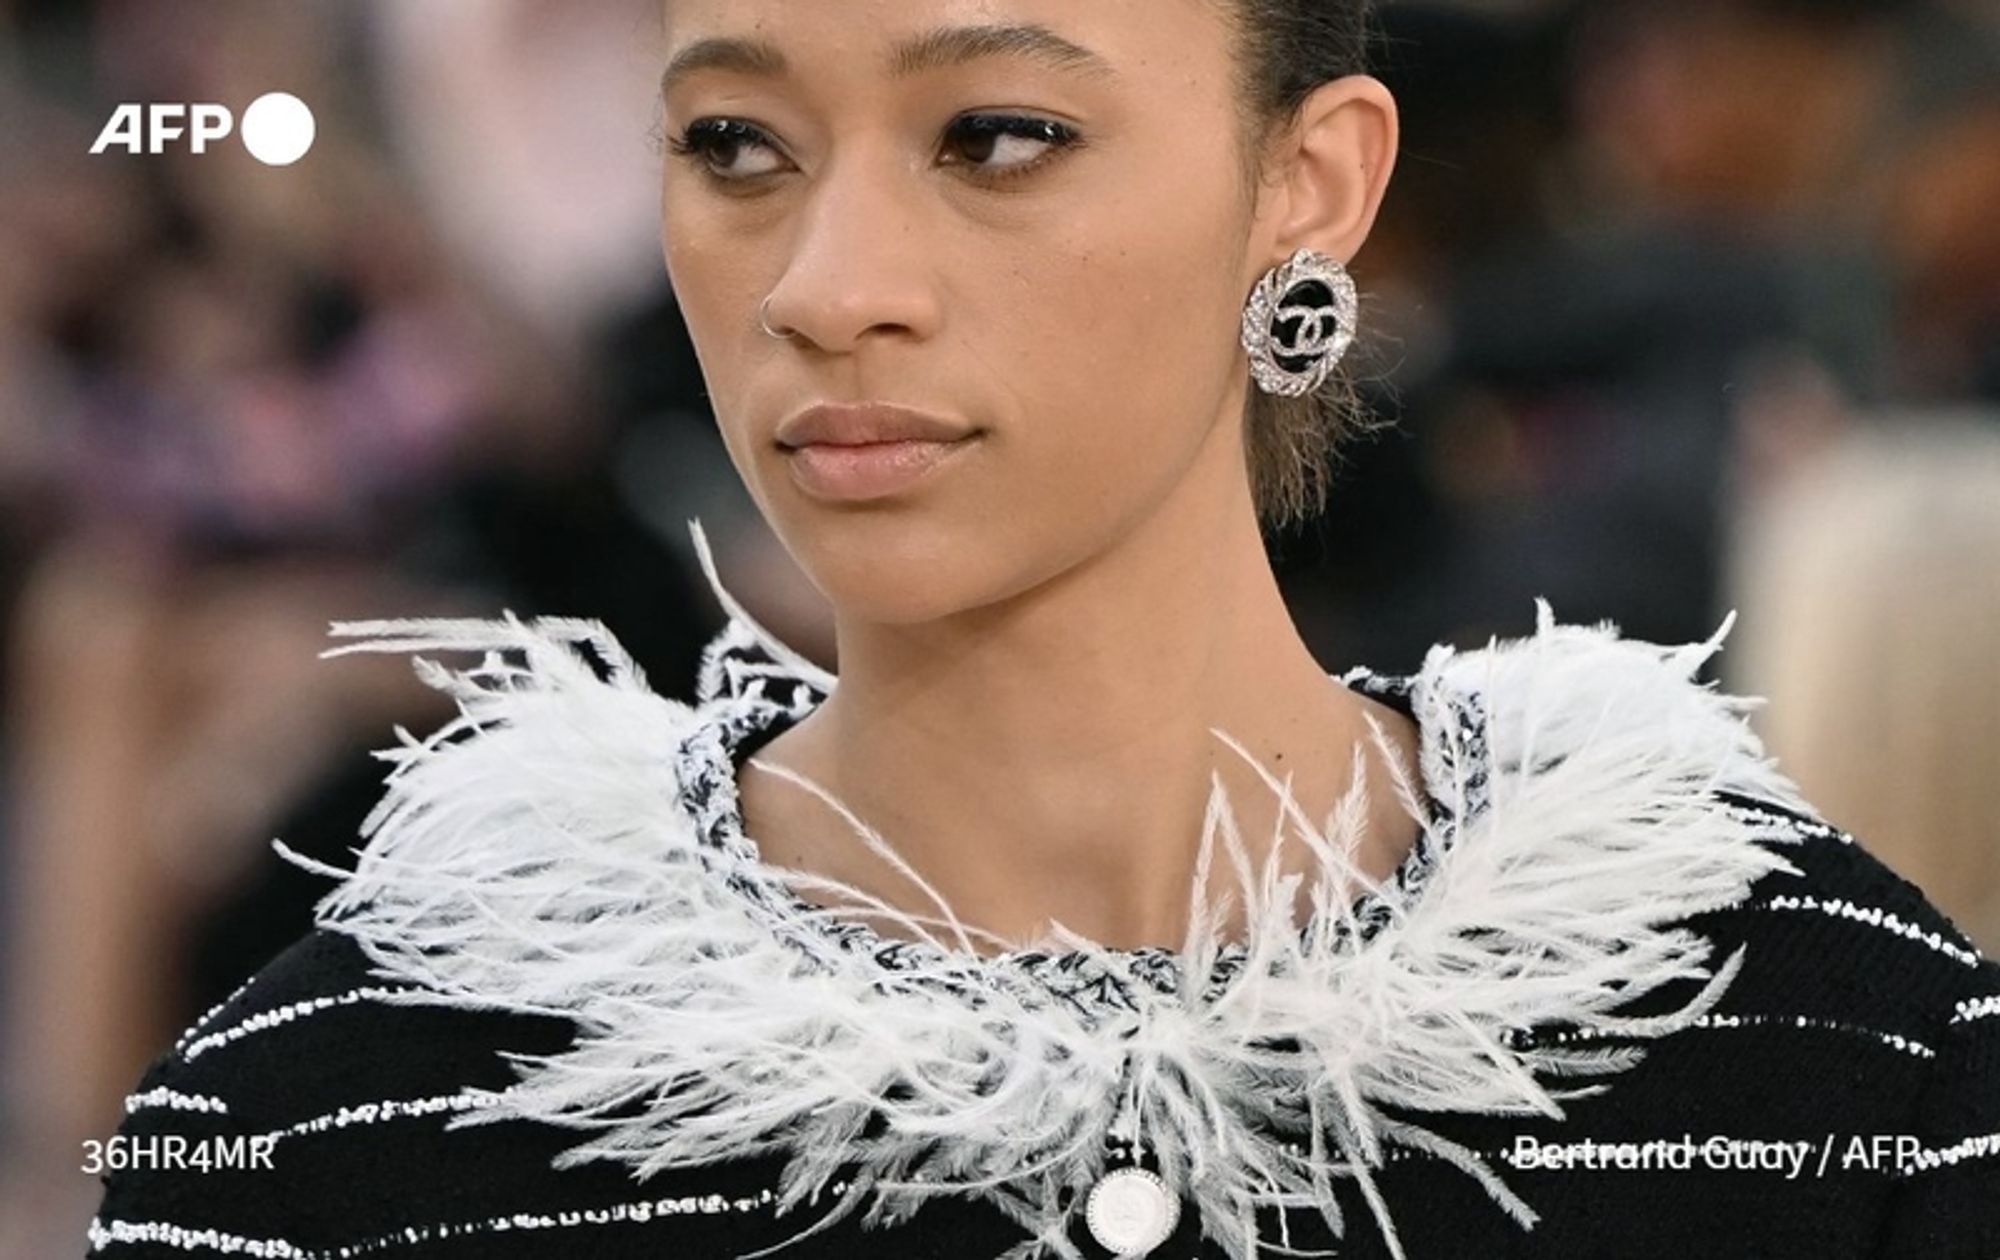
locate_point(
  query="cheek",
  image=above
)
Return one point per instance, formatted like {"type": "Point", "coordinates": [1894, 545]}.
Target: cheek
{"type": "Point", "coordinates": [700, 279]}
{"type": "Point", "coordinates": [708, 284]}
{"type": "Point", "coordinates": [1129, 330]}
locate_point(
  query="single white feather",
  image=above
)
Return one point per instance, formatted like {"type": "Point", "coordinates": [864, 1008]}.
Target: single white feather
{"type": "Point", "coordinates": [535, 855]}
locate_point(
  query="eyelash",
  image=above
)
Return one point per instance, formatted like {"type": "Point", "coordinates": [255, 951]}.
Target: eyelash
{"type": "Point", "coordinates": [696, 143]}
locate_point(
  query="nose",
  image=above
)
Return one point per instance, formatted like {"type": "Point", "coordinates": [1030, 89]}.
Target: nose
{"type": "Point", "coordinates": [858, 267]}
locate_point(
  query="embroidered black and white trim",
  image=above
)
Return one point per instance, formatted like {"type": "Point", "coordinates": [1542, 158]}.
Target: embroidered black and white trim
{"type": "Point", "coordinates": [746, 695]}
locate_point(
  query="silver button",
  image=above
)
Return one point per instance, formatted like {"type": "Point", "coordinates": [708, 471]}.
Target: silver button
{"type": "Point", "coordinates": [1130, 1212]}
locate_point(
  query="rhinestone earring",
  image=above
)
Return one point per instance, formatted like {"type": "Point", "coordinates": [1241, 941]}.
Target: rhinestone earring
{"type": "Point", "coordinates": [1299, 322]}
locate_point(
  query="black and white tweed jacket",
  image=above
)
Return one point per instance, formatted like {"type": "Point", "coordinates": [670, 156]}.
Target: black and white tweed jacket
{"type": "Point", "coordinates": [1628, 996]}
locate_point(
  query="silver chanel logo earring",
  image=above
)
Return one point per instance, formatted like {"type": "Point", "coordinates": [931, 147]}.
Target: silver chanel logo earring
{"type": "Point", "coordinates": [765, 324]}
{"type": "Point", "coordinates": [1299, 322]}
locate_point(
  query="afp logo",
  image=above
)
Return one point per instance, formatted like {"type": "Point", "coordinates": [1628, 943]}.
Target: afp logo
{"type": "Point", "coordinates": [277, 129]}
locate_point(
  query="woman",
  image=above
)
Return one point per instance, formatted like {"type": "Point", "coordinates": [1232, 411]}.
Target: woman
{"type": "Point", "coordinates": [1087, 916]}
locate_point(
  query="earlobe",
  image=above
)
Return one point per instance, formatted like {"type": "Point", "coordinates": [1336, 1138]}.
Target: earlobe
{"type": "Point", "coordinates": [1346, 141]}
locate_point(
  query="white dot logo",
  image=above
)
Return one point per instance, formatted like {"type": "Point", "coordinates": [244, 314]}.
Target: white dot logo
{"type": "Point", "coordinates": [278, 129]}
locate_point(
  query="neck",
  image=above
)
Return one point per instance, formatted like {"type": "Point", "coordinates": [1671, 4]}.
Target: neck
{"type": "Point", "coordinates": [1049, 757]}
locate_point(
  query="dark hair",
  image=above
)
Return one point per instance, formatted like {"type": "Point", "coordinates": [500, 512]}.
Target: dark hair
{"type": "Point", "coordinates": [1285, 49]}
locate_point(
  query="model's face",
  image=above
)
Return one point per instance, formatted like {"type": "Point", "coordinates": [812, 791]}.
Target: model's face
{"type": "Point", "coordinates": [1048, 247]}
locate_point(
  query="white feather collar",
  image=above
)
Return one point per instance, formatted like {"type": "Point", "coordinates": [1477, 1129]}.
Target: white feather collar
{"type": "Point", "coordinates": [568, 845]}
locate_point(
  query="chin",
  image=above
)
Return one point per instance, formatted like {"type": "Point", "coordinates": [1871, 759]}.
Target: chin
{"type": "Point", "coordinates": [892, 568]}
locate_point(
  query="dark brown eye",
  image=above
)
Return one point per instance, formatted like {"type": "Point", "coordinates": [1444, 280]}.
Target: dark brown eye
{"type": "Point", "coordinates": [714, 144]}
{"type": "Point", "coordinates": [1003, 145]}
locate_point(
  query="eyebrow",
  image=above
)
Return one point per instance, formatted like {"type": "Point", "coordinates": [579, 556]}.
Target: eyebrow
{"type": "Point", "coordinates": [931, 50]}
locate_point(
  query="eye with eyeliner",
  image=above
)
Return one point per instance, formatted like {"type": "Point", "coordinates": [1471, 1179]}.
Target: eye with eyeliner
{"type": "Point", "coordinates": [980, 134]}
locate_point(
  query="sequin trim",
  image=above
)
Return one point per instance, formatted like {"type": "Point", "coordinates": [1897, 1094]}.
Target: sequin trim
{"type": "Point", "coordinates": [1753, 809]}
{"type": "Point", "coordinates": [383, 1111]}
{"type": "Point", "coordinates": [181, 1238]}
{"type": "Point", "coordinates": [194, 1030]}
{"type": "Point", "coordinates": [1873, 916]}
{"type": "Point", "coordinates": [1976, 1008]}
{"type": "Point", "coordinates": [637, 1212]}
{"type": "Point", "coordinates": [174, 1100]}
{"type": "Point", "coordinates": [1714, 1020]}
{"type": "Point", "coordinates": [264, 1021]}
{"type": "Point", "coordinates": [634, 1212]}
{"type": "Point", "coordinates": [1981, 1146]}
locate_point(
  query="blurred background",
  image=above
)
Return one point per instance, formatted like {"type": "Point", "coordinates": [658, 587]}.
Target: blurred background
{"type": "Point", "coordinates": [1676, 308]}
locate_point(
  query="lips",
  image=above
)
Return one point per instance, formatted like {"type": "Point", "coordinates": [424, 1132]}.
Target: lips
{"type": "Point", "coordinates": [864, 424]}
{"type": "Point", "coordinates": [875, 470]}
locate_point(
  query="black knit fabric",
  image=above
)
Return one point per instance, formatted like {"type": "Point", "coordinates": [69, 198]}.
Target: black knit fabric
{"type": "Point", "coordinates": [1853, 1063]}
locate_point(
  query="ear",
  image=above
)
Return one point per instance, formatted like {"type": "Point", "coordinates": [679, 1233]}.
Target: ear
{"type": "Point", "coordinates": [1332, 168]}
